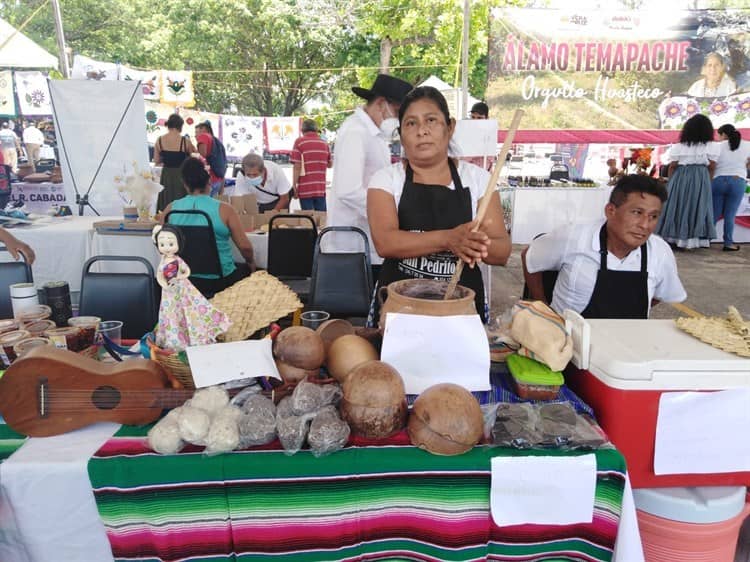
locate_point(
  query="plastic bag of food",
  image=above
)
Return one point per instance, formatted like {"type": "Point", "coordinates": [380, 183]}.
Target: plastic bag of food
{"type": "Point", "coordinates": [257, 425]}
{"type": "Point", "coordinates": [309, 397]}
{"type": "Point", "coordinates": [291, 428]}
{"type": "Point", "coordinates": [328, 432]}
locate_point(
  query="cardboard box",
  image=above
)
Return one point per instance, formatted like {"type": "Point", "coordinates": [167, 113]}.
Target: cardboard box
{"type": "Point", "coordinates": [250, 203]}
{"type": "Point", "coordinates": [248, 222]}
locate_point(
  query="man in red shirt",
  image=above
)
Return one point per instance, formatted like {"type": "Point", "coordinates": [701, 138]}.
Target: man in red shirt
{"type": "Point", "coordinates": [310, 156]}
{"type": "Point", "coordinates": [205, 139]}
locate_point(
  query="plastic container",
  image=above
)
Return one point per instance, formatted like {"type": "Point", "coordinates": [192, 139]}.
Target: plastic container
{"type": "Point", "coordinates": [38, 328]}
{"type": "Point", "coordinates": [34, 313]}
{"type": "Point", "coordinates": [7, 341]}
{"type": "Point", "coordinates": [65, 338]}
{"type": "Point", "coordinates": [87, 326]}
{"type": "Point", "coordinates": [9, 325]}
{"type": "Point", "coordinates": [631, 363]}
{"type": "Point", "coordinates": [23, 296]}
{"type": "Point", "coordinates": [24, 346]}
{"type": "Point", "coordinates": [690, 524]}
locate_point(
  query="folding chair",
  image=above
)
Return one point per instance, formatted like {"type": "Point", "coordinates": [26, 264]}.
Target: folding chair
{"type": "Point", "coordinates": [290, 252]}
{"type": "Point", "coordinates": [342, 283]}
{"type": "Point", "coordinates": [12, 272]}
{"type": "Point", "coordinates": [128, 297]}
{"type": "Point", "coordinates": [200, 251]}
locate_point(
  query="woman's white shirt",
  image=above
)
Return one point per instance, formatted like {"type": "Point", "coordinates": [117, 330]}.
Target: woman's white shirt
{"type": "Point", "coordinates": [726, 87]}
{"type": "Point", "coordinates": [694, 153]}
{"type": "Point", "coordinates": [391, 179]}
{"type": "Point", "coordinates": [732, 162]}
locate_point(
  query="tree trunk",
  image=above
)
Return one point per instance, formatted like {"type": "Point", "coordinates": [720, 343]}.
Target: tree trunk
{"type": "Point", "coordinates": [386, 45]}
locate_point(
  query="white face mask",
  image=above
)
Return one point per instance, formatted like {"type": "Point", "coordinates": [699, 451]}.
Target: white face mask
{"type": "Point", "coordinates": [389, 125]}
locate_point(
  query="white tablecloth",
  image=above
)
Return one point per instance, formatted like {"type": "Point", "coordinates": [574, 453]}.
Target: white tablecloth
{"type": "Point", "coordinates": [61, 246]}
{"type": "Point", "coordinates": [537, 210]}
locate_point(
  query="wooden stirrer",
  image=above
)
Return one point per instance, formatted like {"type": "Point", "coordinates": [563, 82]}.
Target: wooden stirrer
{"type": "Point", "coordinates": [488, 192]}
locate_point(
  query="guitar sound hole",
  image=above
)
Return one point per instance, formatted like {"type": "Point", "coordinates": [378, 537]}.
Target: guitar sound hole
{"type": "Point", "coordinates": [106, 397]}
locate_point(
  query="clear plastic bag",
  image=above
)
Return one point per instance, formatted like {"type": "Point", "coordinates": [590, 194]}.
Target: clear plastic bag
{"type": "Point", "coordinates": [291, 428]}
{"type": "Point", "coordinates": [257, 424]}
{"type": "Point", "coordinates": [309, 397]}
{"type": "Point", "coordinates": [328, 432]}
{"type": "Point", "coordinates": [515, 426]}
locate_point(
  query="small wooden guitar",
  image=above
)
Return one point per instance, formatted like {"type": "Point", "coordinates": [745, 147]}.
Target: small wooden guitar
{"type": "Point", "coordinates": [51, 391]}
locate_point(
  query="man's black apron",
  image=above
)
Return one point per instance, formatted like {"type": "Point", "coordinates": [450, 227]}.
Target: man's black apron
{"type": "Point", "coordinates": [424, 208]}
{"type": "Point", "coordinates": [618, 294]}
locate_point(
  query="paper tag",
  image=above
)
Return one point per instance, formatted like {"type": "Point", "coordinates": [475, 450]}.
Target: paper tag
{"type": "Point", "coordinates": [60, 342]}
{"type": "Point", "coordinates": [224, 362]}
{"type": "Point", "coordinates": [543, 490]}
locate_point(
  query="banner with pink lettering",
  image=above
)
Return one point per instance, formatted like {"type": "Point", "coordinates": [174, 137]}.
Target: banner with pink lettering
{"type": "Point", "coordinates": [615, 69]}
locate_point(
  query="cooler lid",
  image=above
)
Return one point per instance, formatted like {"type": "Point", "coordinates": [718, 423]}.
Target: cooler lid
{"type": "Point", "coordinates": [651, 354]}
{"type": "Point", "coordinates": [707, 504]}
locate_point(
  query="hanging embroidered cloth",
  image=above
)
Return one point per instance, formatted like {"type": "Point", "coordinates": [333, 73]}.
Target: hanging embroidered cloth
{"type": "Point", "coordinates": [177, 87]}
{"type": "Point", "coordinates": [242, 135]}
{"type": "Point", "coordinates": [85, 68]}
{"type": "Point", "coordinates": [7, 100]}
{"type": "Point", "coordinates": [33, 93]}
{"type": "Point", "coordinates": [282, 132]}
{"type": "Point", "coordinates": [150, 80]}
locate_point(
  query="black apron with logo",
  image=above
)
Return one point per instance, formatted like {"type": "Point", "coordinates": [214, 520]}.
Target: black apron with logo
{"type": "Point", "coordinates": [424, 208]}
{"type": "Point", "coordinates": [618, 294]}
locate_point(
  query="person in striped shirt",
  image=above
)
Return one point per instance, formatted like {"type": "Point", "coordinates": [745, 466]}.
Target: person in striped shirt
{"type": "Point", "coordinates": [310, 157]}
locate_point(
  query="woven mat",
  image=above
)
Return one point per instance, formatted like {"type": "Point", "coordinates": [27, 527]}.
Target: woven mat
{"type": "Point", "coordinates": [254, 303]}
{"type": "Point", "coordinates": [731, 333]}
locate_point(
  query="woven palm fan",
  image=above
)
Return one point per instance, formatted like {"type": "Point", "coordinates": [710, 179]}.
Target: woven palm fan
{"type": "Point", "coordinates": [254, 303]}
{"type": "Point", "coordinates": [731, 333]}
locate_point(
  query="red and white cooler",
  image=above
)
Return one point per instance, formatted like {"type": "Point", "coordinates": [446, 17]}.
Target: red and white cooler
{"type": "Point", "coordinates": [631, 363]}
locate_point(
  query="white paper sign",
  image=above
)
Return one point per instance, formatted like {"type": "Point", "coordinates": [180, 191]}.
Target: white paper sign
{"type": "Point", "coordinates": [703, 432]}
{"type": "Point", "coordinates": [224, 362]}
{"type": "Point", "coordinates": [476, 137]}
{"type": "Point", "coordinates": [543, 490]}
{"type": "Point", "coordinates": [427, 350]}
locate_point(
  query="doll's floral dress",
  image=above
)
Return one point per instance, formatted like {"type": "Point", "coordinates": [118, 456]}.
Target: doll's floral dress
{"type": "Point", "coordinates": [186, 318]}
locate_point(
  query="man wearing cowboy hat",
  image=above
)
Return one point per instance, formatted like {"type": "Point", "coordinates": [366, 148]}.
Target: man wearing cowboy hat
{"type": "Point", "coordinates": [361, 149]}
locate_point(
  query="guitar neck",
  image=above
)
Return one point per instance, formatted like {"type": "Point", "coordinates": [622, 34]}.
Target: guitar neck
{"type": "Point", "coordinates": [170, 398]}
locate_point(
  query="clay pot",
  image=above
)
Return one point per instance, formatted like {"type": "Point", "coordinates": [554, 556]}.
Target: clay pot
{"type": "Point", "coordinates": [425, 297]}
{"type": "Point", "coordinates": [299, 347]}
{"type": "Point", "coordinates": [292, 374]}
{"type": "Point", "coordinates": [445, 420]}
{"type": "Point", "coordinates": [347, 353]}
{"type": "Point", "coordinates": [374, 402]}
{"type": "Point", "coordinates": [332, 329]}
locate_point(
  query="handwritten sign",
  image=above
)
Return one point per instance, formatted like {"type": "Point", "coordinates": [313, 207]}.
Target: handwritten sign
{"type": "Point", "coordinates": [703, 432]}
{"type": "Point", "coordinates": [543, 490]}
{"type": "Point", "coordinates": [428, 350]}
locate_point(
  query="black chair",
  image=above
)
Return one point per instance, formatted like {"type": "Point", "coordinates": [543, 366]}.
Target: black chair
{"type": "Point", "coordinates": [290, 252]}
{"type": "Point", "coordinates": [128, 297]}
{"type": "Point", "coordinates": [341, 283]}
{"type": "Point", "coordinates": [12, 272]}
{"type": "Point", "coordinates": [200, 252]}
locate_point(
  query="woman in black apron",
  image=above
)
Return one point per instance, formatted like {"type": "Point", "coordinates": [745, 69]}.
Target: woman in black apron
{"type": "Point", "coordinates": [433, 220]}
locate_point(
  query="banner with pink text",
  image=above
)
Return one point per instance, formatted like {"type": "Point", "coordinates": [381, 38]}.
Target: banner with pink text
{"type": "Point", "coordinates": [614, 69]}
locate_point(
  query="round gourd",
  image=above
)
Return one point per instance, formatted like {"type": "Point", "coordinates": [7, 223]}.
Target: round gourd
{"type": "Point", "coordinates": [346, 353]}
{"type": "Point", "coordinates": [293, 374]}
{"type": "Point", "coordinates": [374, 402]}
{"type": "Point", "coordinates": [445, 420]}
{"type": "Point", "coordinates": [299, 347]}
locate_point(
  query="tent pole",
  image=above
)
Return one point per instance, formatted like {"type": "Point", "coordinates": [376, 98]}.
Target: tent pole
{"type": "Point", "coordinates": [64, 68]}
{"type": "Point", "coordinates": [463, 109]}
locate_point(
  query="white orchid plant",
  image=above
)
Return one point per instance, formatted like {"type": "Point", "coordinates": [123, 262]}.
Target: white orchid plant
{"type": "Point", "coordinates": [138, 189]}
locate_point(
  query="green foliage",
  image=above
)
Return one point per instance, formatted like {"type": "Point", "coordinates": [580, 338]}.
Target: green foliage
{"type": "Point", "coordinates": [271, 57]}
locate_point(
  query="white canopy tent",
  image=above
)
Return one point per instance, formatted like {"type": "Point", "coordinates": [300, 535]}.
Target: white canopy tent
{"type": "Point", "coordinates": [18, 51]}
{"type": "Point", "coordinates": [451, 95]}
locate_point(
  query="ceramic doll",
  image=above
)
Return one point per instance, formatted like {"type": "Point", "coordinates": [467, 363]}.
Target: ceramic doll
{"type": "Point", "coordinates": [186, 318]}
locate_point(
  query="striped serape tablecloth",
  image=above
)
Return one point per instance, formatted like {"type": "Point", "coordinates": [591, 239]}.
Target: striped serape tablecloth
{"type": "Point", "coordinates": [385, 501]}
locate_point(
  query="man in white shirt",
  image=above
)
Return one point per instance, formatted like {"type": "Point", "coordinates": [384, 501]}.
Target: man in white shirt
{"type": "Point", "coordinates": [361, 149]}
{"type": "Point", "coordinates": [265, 180]}
{"type": "Point", "coordinates": [614, 268]}
{"type": "Point", "coordinates": [33, 139]}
